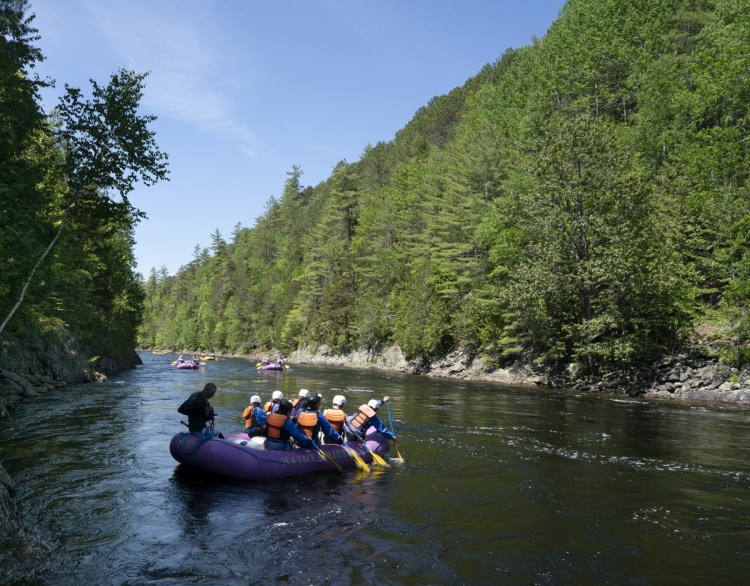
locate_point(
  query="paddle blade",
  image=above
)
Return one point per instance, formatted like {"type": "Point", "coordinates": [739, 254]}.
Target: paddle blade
{"type": "Point", "coordinates": [398, 459]}
{"type": "Point", "coordinates": [378, 459]}
{"type": "Point", "coordinates": [361, 464]}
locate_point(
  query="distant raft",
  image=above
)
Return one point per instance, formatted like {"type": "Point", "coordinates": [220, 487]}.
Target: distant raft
{"type": "Point", "coordinates": [272, 366]}
{"type": "Point", "coordinates": [188, 364]}
{"type": "Point", "coordinates": [241, 458]}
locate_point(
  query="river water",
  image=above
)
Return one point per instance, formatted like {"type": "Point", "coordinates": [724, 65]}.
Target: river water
{"type": "Point", "coordinates": [500, 485]}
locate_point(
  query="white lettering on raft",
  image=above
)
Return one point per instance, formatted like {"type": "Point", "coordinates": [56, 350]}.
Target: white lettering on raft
{"type": "Point", "coordinates": [306, 459]}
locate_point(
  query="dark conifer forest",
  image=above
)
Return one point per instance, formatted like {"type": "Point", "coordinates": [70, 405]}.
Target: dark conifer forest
{"type": "Point", "coordinates": [583, 200]}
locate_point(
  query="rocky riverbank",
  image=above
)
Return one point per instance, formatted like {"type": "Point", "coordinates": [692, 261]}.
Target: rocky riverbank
{"type": "Point", "coordinates": [41, 364]}
{"type": "Point", "coordinates": [684, 377]}
{"type": "Point", "coordinates": [44, 362]}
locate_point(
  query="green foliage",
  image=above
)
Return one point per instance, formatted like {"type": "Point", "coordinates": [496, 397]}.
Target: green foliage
{"type": "Point", "coordinates": [422, 318]}
{"type": "Point", "coordinates": [108, 144]}
{"type": "Point", "coordinates": [24, 159]}
{"type": "Point", "coordinates": [582, 199]}
{"type": "Point", "coordinates": [65, 238]}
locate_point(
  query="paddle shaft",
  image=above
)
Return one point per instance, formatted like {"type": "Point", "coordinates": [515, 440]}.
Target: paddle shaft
{"type": "Point", "coordinates": [390, 418]}
{"type": "Point", "coordinates": [398, 455]}
{"type": "Point", "coordinates": [327, 457]}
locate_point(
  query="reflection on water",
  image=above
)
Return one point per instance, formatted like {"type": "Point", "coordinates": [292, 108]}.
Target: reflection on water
{"type": "Point", "coordinates": [500, 486]}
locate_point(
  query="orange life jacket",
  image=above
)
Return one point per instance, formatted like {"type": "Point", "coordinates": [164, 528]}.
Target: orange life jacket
{"type": "Point", "coordinates": [268, 406]}
{"type": "Point", "coordinates": [295, 402]}
{"type": "Point", "coordinates": [307, 422]}
{"type": "Point", "coordinates": [248, 415]}
{"type": "Point", "coordinates": [363, 416]}
{"type": "Point", "coordinates": [335, 417]}
{"type": "Point", "coordinates": [276, 426]}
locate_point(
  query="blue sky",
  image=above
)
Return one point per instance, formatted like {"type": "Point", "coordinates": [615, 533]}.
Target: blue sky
{"type": "Point", "coordinates": [245, 89]}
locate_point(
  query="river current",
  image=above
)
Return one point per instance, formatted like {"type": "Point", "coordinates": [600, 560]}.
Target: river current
{"type": "Point", "coordinates": [499, 485]}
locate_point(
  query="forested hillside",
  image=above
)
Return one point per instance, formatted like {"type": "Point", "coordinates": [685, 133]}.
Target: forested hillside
{"type": "Point", "coordinates": [66, 225]}
{"type": "Point", "coordinates": [583, 199]}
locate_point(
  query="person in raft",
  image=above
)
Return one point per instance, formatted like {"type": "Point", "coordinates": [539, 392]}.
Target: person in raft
{"type": "Point", "coordinates": [303, 394]}
{"type": "Point", "coordinates": [272, 405]}
{"type": "Point", "coordinates": [311, 423]}
{"type": "Point", "coordinates": [365, 417]}
{"type": "Point", "coordinates": [197, 408]}
{"type": "Point", "coordinates": [335, 415]}
{"type": "Point", "coordinates": [281, 430]}
{"type": "Point", "coordinates": [255, 418]}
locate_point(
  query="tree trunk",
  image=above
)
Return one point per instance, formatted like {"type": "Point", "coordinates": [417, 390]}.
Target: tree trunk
{"type": "Point", "coordinates": [31, 276]}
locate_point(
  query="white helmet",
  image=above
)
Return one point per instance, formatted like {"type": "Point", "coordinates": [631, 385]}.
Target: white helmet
{"type": "Point", "coordinates": [339, 400]}
{"type": "Point", "coordinates": [304, 393]}
{"type": "Point", "coordinates": [374, 403]}
{"type": "Point", "coordinates": [277, 395]}
{"type": "Point", "coordinates": [254, 399]}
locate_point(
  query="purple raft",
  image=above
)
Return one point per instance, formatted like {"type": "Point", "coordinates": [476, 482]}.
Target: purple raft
{"type": "Point", "coordinates": [190, 365]}
{"type": "Point", "coordinates": [237, 457]}
{"type": "Point", "coordinates": [272, 367]}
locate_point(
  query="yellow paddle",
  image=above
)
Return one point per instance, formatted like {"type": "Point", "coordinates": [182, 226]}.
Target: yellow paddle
{"type": "Point", "coordinates": [375, 457]}
{"type": "Point", "coordinates": [327, 457]}
{"type": "Point", "coordinates": [361, 464]}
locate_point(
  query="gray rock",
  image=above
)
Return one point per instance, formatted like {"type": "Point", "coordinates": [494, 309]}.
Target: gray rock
{"type": "Point", "coordinates": [714, 384]}
{"type": "Point", "coordinates": [699, 395]}
{"type": "Point", "coordinates": [55, 355]}
{"type": "Point", "coordinates": [7, 382]}
{"type": "Point", "coordinates": [29, 392]}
